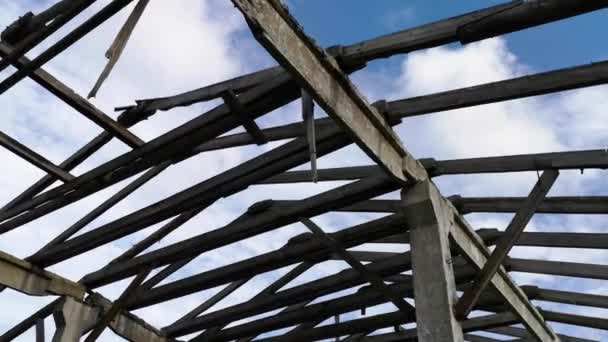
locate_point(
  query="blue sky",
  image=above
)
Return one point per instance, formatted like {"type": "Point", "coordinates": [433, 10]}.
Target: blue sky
{"type": "Point", "coordinates": [162, 59]}
{"type": "Point", "coordinates": [568, 42]}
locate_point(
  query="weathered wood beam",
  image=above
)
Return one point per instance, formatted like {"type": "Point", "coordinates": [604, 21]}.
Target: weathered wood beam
{"type": "Point", "coordinates": [223, 236]}
{"type": "Point", "coordinates": [207, 93]}
{"type": "Point", "coordinates": [24, 277]}
{"type": "Point", "coordinates": [524, 214]}
{"type": "Point", "coordinates": [118, 45]}
{"type": "Point", "coordinates": [239, 110]}
{"type": "Point", "coordinates": [391, 319]}
{"type": "Point", "coordinates": [523, 333]}
{"type": "Point", "coordinates": [589, 159]}
{"type": "Point", "coordinates": [110, 314]}
{"type": "Point", "coordinates": [516, 88]}
{"type": "Point", "coordinates": [578, 320]}
{"type": "Point", "coordinates": [550, 239]}
{"type": "Point", "coordinates": [551, 205]}
{"type": "Point", "coordinates": [559, 268]}
{"type": "Point", "coordinates": [34, 158]}
{"type": "Point", "coordinates": [474, 249]}
{"type": "Point", "coordinates": [29, 68]}
{"type": "Point", "coordinates": [320, 75]}
{"type": "Point", "coordinates": [40, 337]}
{"type": "Point", "coordinates": [297, 250]}
{"type": "Point", "coordinates": [164, 148]}
{"type": "Point", "coordinates": [267, 291]}
{"type": "Point", "coordinates": [572, 298]}
{"type": "Point", "coordinates": [83, 29]}
{"type": "Point", "coordinates": [371, 277]}
{"type": "Point", "coordinates": [485, 23]}
{"type": "Point", "coordinates": [27, 32]}
{"type": "Point", "coordinates": [297, 294]}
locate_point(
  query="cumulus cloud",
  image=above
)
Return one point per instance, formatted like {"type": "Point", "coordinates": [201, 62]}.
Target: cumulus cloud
{"type": "Point", "coordinates": [183, 45]}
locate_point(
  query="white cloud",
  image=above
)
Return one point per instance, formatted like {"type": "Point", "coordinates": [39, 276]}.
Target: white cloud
{"type": "Point", "coordinates": [184, 45]}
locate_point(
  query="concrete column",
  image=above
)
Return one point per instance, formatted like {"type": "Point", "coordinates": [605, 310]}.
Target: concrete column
{"type": "Point", "coordinates": [434, 286]}
{"type": "Point", "coordinates": [73, 319]}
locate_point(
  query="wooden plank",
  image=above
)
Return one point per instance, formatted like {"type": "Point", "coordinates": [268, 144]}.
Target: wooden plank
{"type": "Point", "coordinates": [34, 158]}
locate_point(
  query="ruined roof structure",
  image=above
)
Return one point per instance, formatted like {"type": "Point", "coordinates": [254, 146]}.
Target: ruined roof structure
{"type": "Point", "coordinates": [276, 202]}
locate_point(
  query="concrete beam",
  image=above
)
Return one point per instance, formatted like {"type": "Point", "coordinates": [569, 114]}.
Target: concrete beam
{"type": "Point", "coordinates": [323, 79]}
{"type": "Point", "coordinates": [435, 292]}
{"type": "Point", "coordinates": [466, 205]}
{"type": "Point", "coordinates": [73, 319]}
{"type": "Point", "coordinates": [24, 277]}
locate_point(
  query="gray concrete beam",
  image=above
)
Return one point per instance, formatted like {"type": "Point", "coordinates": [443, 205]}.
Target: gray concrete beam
{"type": "Point", "coordinates": [24, 277]}
{"type": "Point", "coordinates": [323, 79]}
{"type": "Point", "coordinates": [435, 292]}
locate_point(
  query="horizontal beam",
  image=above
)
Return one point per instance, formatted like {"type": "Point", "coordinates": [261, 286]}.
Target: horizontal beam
{"type": "Point", "coordinates": [32, 69]}
{"type": "Point", "coordinates": [485, 23]}
{"type": "Point", "coordinates": [578, 320]}
{"type": "Point", "coordinates": [523, 333]}
{"type": "Point", "coordinates": [550, 239]}
{"type": "Point", "coordinates": [551, 205]}
{"type": "Point", "coordinates": [309, 291]}
{"type": "Point", "coordinates": [516, 88]}
{"type": "Point", "coordinates": [34, 158]}
{"type": "Point", "coordinates": [572, 298]}
{"type": "Point", "coordinates": [24, 277]}
{"type": "Point", "coordinates": [559, 268]}
{"type": "Point", "coordinates": [534, 239]}
{"type": "Point", "coordinates": [467, 205]}
{"type": "Point", "coordinates": [588, 159]}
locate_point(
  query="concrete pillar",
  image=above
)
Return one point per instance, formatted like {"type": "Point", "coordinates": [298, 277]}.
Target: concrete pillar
{"type": "Point", "coordinates": [434, 286]}
{"type": "Point", "coordinates": [73, 319]}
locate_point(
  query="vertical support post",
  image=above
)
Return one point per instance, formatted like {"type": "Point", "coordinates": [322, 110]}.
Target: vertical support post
{"type": "Point", "coordinates": [308, 117]}
{"type": "Point", "coordinates": [40, 330]}
{"type": "Point", "coordinates": [73, 319]}
{"type": "Point", "coordinates": [434, 285]}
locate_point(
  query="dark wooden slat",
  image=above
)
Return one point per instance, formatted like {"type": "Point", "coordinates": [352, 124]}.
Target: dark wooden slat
{"type": "Point", "coordinates": [34, 158]}
{"type": "Point", "coordinates": [371, 277]}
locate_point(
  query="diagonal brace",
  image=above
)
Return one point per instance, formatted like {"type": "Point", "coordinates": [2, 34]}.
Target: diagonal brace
{"type": "Point", "coordinates": [117, 306]}
{"type": "Point", "coordinates": [239, 110]}
{"type": "Point", "coordinates": [470, 297]}
{"type": "Point", "coordinates": [371, 277]}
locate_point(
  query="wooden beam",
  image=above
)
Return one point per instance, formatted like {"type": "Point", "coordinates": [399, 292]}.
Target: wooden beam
{"type": "Point", "coordinates": [24, 277]}
{"type": "Point", "coordinates": [559, 268]}
{"type": "Point", "coordinates": [516, 88]}
{"type": "Point", "coordinates": [320, 75]}
{"type": "Point", "coordinates": [474, 249]}
{"type": "Point", "coordinates": [111, 313]}
{"type": "Point", "coordinates": [34, 158]}
{"type": "Point", "coordinates": [469, 299]}
{"type": "Point", "coordinates": [371, 277]}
